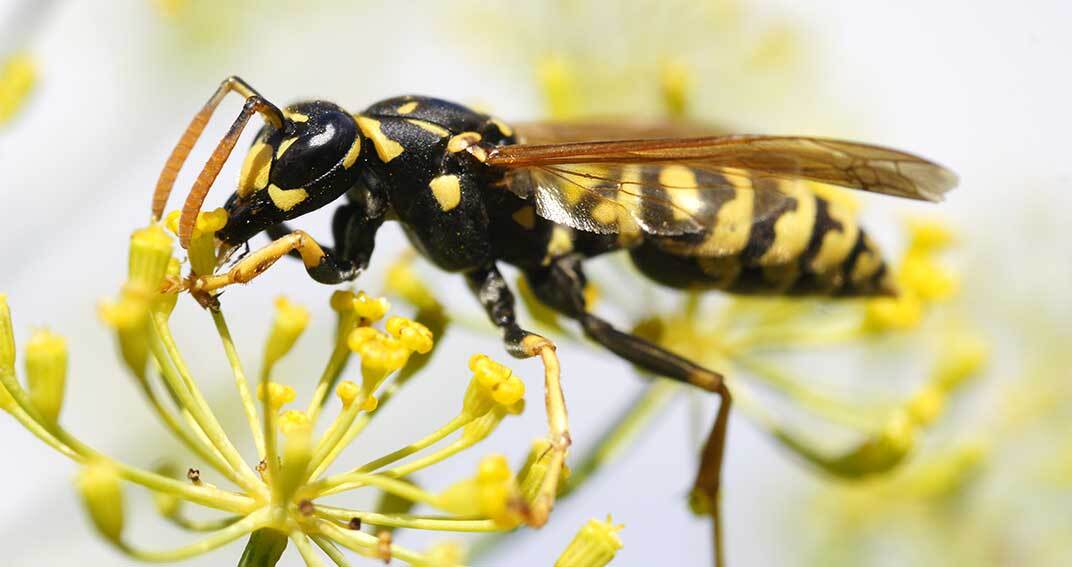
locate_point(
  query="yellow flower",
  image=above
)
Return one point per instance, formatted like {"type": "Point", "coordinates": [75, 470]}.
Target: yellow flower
{"type": "Point", "coordinates": [102, 494]}
{"type": "Point", "coordinates": [278, 395]}
{"type": "Point", "coordinates": [289, 323]}
{"type": "Point", "coordinates": [595, 545]}
{"type": "Point", "coordinates": [17, 78]}
{"type": "Point", "coordinates": [492, 493]}
{"type": "Point", "coordinates": [370, 308]}
{"type": "Point", "coordinates": [414, 336]}
{"type": "Point", "coordinates": [46, 373]}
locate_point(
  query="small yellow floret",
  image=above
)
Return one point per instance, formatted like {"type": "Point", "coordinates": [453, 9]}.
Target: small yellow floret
{"type": "Point", "coordinates": [370, 308]}
{"type": "Point", "coordinates": [211, 221]}
{"type": "Point", "coordinates": [102, 493]}
{"type": "Point", "coordinates": [150, 254]}
{"type": "Point", "coordinates": [294, 422]}
{"type": "Point", "coordinates": [595, 545]}
{"type": "Point", "coordinates": [279, 395]}
{"type": "Point", "coordinates": [929, 235]}
{"type": "Point", "coordinates": [342, 301]}
{"type": "Point", "coordinates": [931, 282]}
{"type": "Point", "coordinates": [7, 337]}
{"type": "Point", "coordinates": [413, 335]}
{"type": "Point", "coordinates": [46, 373]}
{"type": "Point", "coordinates": [926, 405]}
{"type": "Point", "coordinates": [676, 83]}
{"type": "Point", "coordinates": [370, 404]}
{"type": "Point", "coordinates": [893, 313]}
{"type": "Point", "coordinates": [17, 78]}
{"type": "Point", "coordinates": [509, 391]}
{"type": "Point", "coordinates": [347, 392]}
{"type": "Point", "coordinates": [963, 356]}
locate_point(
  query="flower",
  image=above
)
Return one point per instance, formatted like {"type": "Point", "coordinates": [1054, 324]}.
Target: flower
{"type": "Point", "coordinates": [595, 545]}
{"type": "Point", "coordinates": [285, 493]}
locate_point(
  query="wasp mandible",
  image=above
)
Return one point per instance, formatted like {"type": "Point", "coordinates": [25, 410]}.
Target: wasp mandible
{"type": "Point", "coordinates": [733, 213]}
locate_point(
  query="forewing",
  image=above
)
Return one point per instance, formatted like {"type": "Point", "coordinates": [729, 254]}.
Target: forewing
{"type": "Point", "coordinates": [569, 131]}
{"type": "Point", "coordinates": [847, 164]}
{"type": "Point", "coordinates": [667, 200]}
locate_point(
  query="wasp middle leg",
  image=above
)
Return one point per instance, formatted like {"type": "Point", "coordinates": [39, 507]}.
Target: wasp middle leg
{"type": "Point", "coordinates": [561, 287]}
{"type": "Point", "coordinates": [495, 296]}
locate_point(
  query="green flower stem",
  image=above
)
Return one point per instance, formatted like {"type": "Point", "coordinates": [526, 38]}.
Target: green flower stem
{"type": "Point", "coordinates": [417, 522]}
{"type": "Point", "coordinates": [264, 548]}
{"type": "Point", "coordinates": [183, 400]}
{"type": "Point", "coordinates": [419, 445]}
{"type": "Point", "coordinates": [330, 443]}
{"type": "Point", "coordinates": [339, 357]}
{"type": "Point", "coordinates": [189, 524]}
{"type": "Point", "coordinates": [195, 402]}
{"type": "Point", "coordinates": [364, 543]}
{"type": "Point", "coordinates": [240, 380]}
{"type": "Point", "coordinates": [331, 550]}
{"type": "Point", "coordinates": [346, 481]}
{"type": "Point", "coordinates": [193, 439]}
{"type": "Point", "coordinates": [77, 451]}
{"type": "Point", "coordinates": [840, 412]}
{"type": "Point", "coordinates": [248, 524]}
{"type": "Point", "coordinates": [394, 486]}
{"type": "Point", "coordinates": [43, 434]}
{"type": "Point", "coordinates": [305, 548]}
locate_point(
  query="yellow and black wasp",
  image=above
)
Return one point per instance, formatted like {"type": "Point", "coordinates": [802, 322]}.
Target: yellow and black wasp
{"type": "Point", "coordinates": [733, 213]}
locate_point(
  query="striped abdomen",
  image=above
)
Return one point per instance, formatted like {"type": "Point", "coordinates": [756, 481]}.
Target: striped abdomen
{"type": "Point", "coordinates": [762, 236]}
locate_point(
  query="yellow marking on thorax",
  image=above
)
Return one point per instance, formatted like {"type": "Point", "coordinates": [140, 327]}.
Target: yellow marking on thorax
{"type": "Point", "coordinates": [447, 191]}
{"type": "Point", "coordinates": [286, 199]}
{"type": "Point", "coordinates": [407, 108]}
{"type": "Point", "coordinates": [386, 148]}
{"type": "Point", "coordinates": [504, 129]}
{"type": "Point", "coordinates": [680, 182]}
{"type": "Point", "coordinates": [429, 127]}
{"type": "Point", "coordinates": [526, 217]}
{"type": "Point", "coordinates": [836, 244]}
{"type": "Point", "coordinates": [284, 146]}
{"type": "Point", "coordinates": [351, 154]}
{"type": "Point", "coordinates": [733, 223]}
{"type": "Point", "coordinates": [462, 141]}
{"type": "Point", "coordinates": [867, 263]}
{"type": "Point", "coordinates": [793, 229]}
{"type": "Point", "coordinates": [295, 116]}
{"type": "Point", "coordinates": [255, 168]}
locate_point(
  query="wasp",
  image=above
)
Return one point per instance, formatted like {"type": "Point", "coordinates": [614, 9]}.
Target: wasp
{"type": "Point", "coordinates": [734, 213]}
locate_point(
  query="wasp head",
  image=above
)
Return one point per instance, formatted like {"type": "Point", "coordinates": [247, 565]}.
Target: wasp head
{"type": "Point", "coordinates": [307, 163]}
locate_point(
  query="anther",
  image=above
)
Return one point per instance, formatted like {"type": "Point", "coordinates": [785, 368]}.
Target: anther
{"type": "Point", "coordinates": [194, 475]}
{"type": "Point", "coordinates": [355, 523]}
{"type": "Point", "coordinates": [306, 508]}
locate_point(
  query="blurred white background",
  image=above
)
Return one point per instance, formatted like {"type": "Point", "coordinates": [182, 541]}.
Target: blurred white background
{"type": "Point", "coordinates": [982, 87]}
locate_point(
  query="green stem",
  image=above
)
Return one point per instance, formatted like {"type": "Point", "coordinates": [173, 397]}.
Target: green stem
{"type": "Point", "coordinates": [240, 380]}
{"type": "Point", "coordinates": [331, 550]}
{"type": "Point", "coordinates": [308, 554]}
{"type": "Point", "coordinates": [412, 521]}
{"type": "Point", "coordinates": [264, 548]}
{"type": "Point", "coordinates": [216, 540]}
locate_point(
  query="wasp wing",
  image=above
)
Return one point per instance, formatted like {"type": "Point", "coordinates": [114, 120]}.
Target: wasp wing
{"type": "Point", "coordinates": [589, 130]}
{"type": "Point", "coordinates": [675, 186]}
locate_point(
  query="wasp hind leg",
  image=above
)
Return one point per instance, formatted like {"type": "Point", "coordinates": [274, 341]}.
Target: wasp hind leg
{"type": "Point", "coordinates": [561, 287]}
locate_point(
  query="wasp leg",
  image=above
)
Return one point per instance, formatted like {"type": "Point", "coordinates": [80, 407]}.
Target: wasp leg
{"type": "Point", "coordinates": [561, 286]}
{"type": "Point", "coordinates": [355, 238]}
{"type": "Point", "coordinates": [494, 294]}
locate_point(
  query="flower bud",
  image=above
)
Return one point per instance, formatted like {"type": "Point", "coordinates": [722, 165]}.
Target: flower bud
{"type": "Point", "coordinates": [492, 493]}
{"type": "Point", "coordinates": [277, 395]}
{"type": "Point", "coordinates": [380, 356]}
{"type": "Point", "coordinates": [899, 313]}
{"type": "Point", "coordinates": [166, 302]}
{"type": "Point", "coordinates": [445, 554]}
{"type": "Point", "coordinates": [963, 356]}
{"type": "Point", "coordinates": [492, 385]}
{"type": "Point", "coordinates": [102, 494]}
{"type": "Point", "coordinates": [202, 248]}
{"type": "Point", "coordinates": [150, 254]}
{"type": "Point", "coordinates": [347, 392]}
{"type": "Point", "coordinates": [594, 546]}
{"type": "Point", "coordinates": [411, 334]}
{"type": "Point", "coordinates": [535, 469]}
{"type": "Point", "coordinates": [129, 318]}
{"type": "Point", "coordinates": [289, 324]}
{"type": "Point", "coordinates": [7, 337]}
{"type": "Point", "coordinates": [880, 453]}
{"type": "Point", "coordinates": [46, 373]}
{"type": "Point", "coordinates": [167, 505]}
{"type": "Point", "coordinates": [370, 308]}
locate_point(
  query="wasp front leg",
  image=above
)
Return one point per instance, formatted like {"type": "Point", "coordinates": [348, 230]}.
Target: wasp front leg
{"type": "Point", "coordinates": [561, 287]}
{"type": "Point", "coordinates": [355, 237]}
{"type": "Point", "coordinates": [498, 301]}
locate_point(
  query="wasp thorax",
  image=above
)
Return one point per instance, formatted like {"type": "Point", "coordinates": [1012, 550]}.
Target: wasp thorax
{"type": "Point", "coordinates": [295, 169]}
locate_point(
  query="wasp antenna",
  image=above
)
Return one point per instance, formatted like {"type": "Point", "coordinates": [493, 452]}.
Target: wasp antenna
{"type": "Point", "coordinates": [166, 181]}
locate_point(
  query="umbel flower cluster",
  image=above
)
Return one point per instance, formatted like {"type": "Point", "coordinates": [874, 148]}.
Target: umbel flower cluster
{"type": "Point", "coordinates": [282, 497]}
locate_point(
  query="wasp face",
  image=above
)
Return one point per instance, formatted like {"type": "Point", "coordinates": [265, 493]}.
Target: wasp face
{"type": "Point", "coordinates": [293, 170]}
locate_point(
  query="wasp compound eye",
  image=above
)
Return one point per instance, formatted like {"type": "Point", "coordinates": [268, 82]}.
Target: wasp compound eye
{"type": "Point", "coordinates": [319, 138]}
